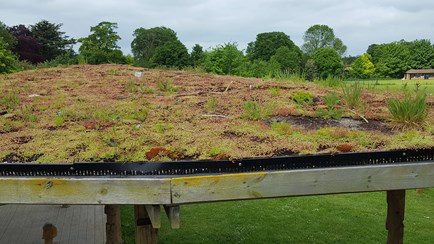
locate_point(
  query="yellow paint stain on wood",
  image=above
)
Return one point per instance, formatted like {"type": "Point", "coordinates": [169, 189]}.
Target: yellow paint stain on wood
{"type": "Point", "coordinates": [85, 191]}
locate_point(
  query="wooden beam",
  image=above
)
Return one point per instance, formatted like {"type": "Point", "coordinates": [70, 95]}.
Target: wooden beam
{"type": "Point", "coordinates": [395, 216]}
{"type": "Point", "coordinates": [190, 189]}
{"type": "Point", "coordinates": [172, 212]}
{"type": "Point", "coordinates": [113, 225]}
{"type": "Point", "coordinates": [302, 182]}
{"type": "Point", "coordinates": [144, 233]}
{"type": "Point", "coordinates": [154, 215]}
{"type": "Point", "coordinates": [84, 190]}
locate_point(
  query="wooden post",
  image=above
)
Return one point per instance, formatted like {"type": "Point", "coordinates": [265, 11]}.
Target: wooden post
{"type": "Point", "coordinates": [49, 232]}
{"type": "Point", "coordinates": [395, 216]}
{"type": "Point", "coordinates": [145, 233]}
{"type": "Point", "coordinates": [172, 212]}
{"type": "Point", "coordinates": [113, 225]}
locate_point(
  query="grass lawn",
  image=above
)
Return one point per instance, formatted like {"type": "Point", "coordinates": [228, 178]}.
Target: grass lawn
{"type": "Point", "coordinates": [346, 218]}
{"type": "Point", "coordinates": [398, 85]}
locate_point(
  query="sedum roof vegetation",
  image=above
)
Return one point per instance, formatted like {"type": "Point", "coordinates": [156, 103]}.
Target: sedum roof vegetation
{"type": "Point", "coordinates": [106, 113]}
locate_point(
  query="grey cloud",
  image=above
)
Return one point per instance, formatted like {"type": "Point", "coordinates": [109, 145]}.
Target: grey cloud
{"type": "Point", "coordinates": [358, 23]}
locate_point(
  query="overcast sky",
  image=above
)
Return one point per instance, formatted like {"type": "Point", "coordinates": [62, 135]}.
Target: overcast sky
{"type": "Point", "coordinates": [358, 23]}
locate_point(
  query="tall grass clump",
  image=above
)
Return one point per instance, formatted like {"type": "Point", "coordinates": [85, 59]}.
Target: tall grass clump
{"type": "Point", "coordinates": [410, 110]}
{"type": "Point", "coordinates": [11, 100]}
{"type": "Point", "coordinates": [353, 94]}
{"type": "Point", "coordinates": [289, 75]}
{"type": "Point", "coordinates": [255, 111]}
{"type": "Point", "coordinates": [166, 86]}
{"type": "Point", "coordinates": [331, 111]}
{"type": "Point", "coordinates": [331, 81]}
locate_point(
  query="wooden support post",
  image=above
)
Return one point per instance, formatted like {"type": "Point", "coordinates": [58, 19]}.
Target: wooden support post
{"type": "Point", "coordinates": [49, 231]}
{"type": "Point", "coordinates": [395, 216]}
{"type": "Point", "coordinates": [113, 225]}
{"type": "Point", "coordinates": [154, 215]}
{"type": "Point", "coordinates": [172, 212]}
{"type": "Point", "coordinates": [145, 233]}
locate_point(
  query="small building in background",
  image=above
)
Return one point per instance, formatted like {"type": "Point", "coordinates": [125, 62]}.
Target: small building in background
{"type": "Point", "coordinates": [419, 74]}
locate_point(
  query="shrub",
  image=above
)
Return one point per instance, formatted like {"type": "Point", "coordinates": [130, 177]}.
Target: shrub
{"type": "Point", "coordinates": [22, 65]}
{"type": "Point", "coordinates": [352, 94]}
{"type": "Point", "coordinates": [7, 59]}
{"type": "Point", "coordinates": [68, 58]}
{"type": "Point", "coordinates": [410, 110]}
{"type": "Point", "coordinates": [311, 70]}
{"type": "Point", "coordinates": [303, 98]}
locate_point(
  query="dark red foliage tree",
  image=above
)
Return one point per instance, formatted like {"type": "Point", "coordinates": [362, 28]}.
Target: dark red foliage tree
{"type": "Point", "coordinates": [27, 47]}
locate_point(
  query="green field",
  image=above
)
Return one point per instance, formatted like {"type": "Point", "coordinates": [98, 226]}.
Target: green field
{"type": "Point", "coordinates": [346, 218]}
{"type": "Point", "coordinates": [398, 85]}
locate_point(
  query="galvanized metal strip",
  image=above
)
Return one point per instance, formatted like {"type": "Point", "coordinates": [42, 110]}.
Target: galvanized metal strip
{"type": "Point", "coordinates": [216, 167]}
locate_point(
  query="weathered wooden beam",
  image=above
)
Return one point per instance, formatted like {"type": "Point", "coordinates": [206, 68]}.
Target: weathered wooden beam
{"type": "Point", "coordinates": [395, 216]}
{"type": "Point", "coordinates": [302, 182]}
{"type": "Point", "coordinates": [154, 215]}
{"type": "Point", "coordinates": [179, 190]}
{"type": "Point", "coordinates": [113, 225]}
{"type": "Point", "coordinates": [144, 233]}
{"type": "Point", "coordinates": [172, 212]}
{"type": "Point", "coordinates": [85, 190]}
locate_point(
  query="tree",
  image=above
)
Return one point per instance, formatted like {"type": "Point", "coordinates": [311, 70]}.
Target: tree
{"type": "Point", "coordinates": [363, 66]}
{"type": "Point", "coordinates": [395, 58]}
{"type": "Point", "coordinates": [322, 36]}
{"type": "Point", "coordinates": [421, 54]}
{"type": "Point", "coordinates": [197, 55]}
{"type": "Point", "coordinates": [27, 47]}
{"type": "Point", "coordinates": [266, 45]}
{"type": "Point", "coordinates": [329, 62]}
{"type": "Point", "coordinates": [225, 59]}
{"type": "Point", "coordinates": [391, 59]}
{"type": "Point", "coordinates": [171, 54]}
{"type": "Point", "coordinates": [146, 41]}
{"type": "Point", "coordinates": [7, 37]}
{"type": "Point", "coordinates": [101, 46]}
{"type": "Point", "coordinates": [310, 70]}
{"type": "Point", "coordinates": [339, 46]}
{"type": "Point", "coordinates": [288, 59]}
{"type": "Point", "coordinates": [7, 59]}
{"type": "Point", "coordinates": [53, 41]}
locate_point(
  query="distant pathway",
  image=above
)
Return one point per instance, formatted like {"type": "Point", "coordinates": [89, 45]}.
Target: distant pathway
{"type": "Point", "coordinates": [76, 224]}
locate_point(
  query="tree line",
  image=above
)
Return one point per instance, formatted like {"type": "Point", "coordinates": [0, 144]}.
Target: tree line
{"type": "Point", "coordinates": [270, 54]}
